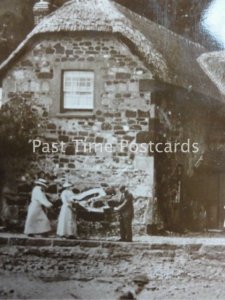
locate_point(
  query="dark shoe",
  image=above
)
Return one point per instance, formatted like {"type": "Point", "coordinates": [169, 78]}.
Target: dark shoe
{"type": "Point", "coordinates": [44, 235]}
{"type": "Point", "coordinates": [72, 237]}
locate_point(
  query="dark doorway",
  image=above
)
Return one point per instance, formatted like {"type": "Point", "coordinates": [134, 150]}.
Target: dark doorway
{"type": "Point", "coordinates": [205, 197]}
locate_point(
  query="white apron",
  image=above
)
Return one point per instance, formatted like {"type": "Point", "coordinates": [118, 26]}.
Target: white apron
{"type": "Point", "coordinates": [37, 221]}
{"type": "Point", "coordinates": [67, 225]}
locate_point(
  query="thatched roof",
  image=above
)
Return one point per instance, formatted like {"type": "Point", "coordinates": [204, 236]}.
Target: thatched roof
{"type": "Point", "coordinates": [180, 54]}
{"type": "Point", "coordinates": [172, 59]}
{"type": "Point", "coordinates": [213, 64]}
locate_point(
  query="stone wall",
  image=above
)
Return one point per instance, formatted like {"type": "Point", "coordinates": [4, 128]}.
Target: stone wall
{"type": "Point", "coordinates": [122, 112]}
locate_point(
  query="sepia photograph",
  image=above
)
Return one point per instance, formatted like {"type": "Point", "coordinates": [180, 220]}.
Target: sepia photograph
{"type": "Point", "coordinates": [112, 149]}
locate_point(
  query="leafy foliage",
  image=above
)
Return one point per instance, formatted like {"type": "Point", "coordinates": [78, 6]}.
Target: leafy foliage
{"type": "Point", "coordinates": [13, 28]}
{"type": "Point", "coordinates": [180, 16]}
{"type": "Point", "coordinates": [18, 124]}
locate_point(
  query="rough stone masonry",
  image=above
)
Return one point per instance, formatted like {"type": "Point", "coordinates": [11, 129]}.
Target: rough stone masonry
{"type": "Point", "coordinates": [122, 109]}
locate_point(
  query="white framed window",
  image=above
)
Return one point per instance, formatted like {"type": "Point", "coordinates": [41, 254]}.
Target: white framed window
{"type": "Point", "coordinates": [78, 90]}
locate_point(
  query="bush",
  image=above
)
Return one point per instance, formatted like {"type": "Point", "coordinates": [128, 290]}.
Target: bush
{"type": "Point", "coordinates": [18, 125]}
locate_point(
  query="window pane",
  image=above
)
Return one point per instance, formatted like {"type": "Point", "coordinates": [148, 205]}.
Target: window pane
{"type": "Point", "coordinates": [78, 89]}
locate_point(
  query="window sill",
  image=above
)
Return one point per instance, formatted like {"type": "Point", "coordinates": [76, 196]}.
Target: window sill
{"type": "Point", "coordinates": [76, 114]}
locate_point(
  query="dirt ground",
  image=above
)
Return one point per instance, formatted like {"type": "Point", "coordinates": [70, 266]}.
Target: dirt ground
{"type": "Point", "coordinates": [28, 287]}
{"type": "Point", "coordinates": [105, 274]}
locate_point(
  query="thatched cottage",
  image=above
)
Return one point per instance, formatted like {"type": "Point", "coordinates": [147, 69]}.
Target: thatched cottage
{"type": "Point", "coordinates": [99, 73]}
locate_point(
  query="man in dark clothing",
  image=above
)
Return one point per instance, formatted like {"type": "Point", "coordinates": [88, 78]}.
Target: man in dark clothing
{"type": "Point", "coordinates": [126, 214]}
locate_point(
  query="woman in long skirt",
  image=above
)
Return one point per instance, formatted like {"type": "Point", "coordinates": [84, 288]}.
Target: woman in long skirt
{"type": "Point", "coordinates": [37, 221]}
{"type": "Point", "coordinates": [67, 225]}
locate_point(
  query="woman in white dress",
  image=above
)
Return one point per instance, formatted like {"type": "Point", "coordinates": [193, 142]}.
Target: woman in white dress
{"type": "Point", "coordinates": [37, 222]}
{"type": "Point", "coordinates": [67, 225]}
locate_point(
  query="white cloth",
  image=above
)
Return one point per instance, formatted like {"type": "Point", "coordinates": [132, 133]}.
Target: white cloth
{"type": "Point", "coordinates": [96, 191]}
{"type": "Point", "coordinates": [37, 221]}
{"type": "Point", "coordinates": [67, 225]}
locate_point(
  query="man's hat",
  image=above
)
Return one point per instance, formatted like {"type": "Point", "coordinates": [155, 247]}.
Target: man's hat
{"type": "Point", "coordinates": [123, 188]}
